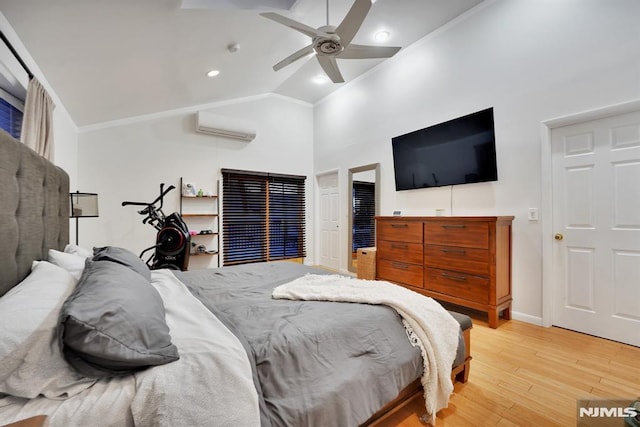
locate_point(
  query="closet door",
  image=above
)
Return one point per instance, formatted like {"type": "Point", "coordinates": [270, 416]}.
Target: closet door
{"type": "Point", "coordinates": [596, 220]}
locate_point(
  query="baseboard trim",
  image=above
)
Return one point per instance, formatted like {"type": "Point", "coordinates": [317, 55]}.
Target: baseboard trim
{"type": "Point", "coordinates": [535, 320]}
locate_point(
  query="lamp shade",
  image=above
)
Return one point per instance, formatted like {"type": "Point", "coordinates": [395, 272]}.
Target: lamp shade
{"type": "Point", "coordinates": [84, 205]}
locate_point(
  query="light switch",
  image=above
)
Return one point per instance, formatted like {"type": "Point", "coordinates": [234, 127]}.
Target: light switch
{"type": "Point", "coordinates": [533, 214]}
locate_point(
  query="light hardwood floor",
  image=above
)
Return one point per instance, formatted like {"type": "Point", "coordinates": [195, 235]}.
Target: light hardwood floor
{"type": "Point", "coordinates": [526, 375]}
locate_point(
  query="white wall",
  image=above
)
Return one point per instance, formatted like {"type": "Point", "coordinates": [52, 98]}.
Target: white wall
{"type": "Point", "coordinates": [127, 161]}
{"type": "Point", "coordinates": [531, 61]}
{"type": "Point", "coordinates": [65, 148]}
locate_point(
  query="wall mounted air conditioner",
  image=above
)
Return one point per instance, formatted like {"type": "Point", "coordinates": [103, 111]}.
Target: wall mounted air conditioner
{"type": "Point", "coordinates": [224, 126]}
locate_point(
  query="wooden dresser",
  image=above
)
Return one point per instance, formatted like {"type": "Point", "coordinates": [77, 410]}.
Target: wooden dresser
{"type": "Point", "coordinates": [461, 260]}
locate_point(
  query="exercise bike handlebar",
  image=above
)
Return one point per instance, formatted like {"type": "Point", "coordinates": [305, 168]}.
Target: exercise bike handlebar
{"type": "Point", "coordinates": [160, 199]}
{"type": "Point", "coordinates": [153, 214]}
{"type": "Point", "coordinates": [135, 203]}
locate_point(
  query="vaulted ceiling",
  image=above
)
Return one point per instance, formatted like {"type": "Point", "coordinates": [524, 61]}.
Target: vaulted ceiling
{"type": "Point", "coordinates": [108, 60]}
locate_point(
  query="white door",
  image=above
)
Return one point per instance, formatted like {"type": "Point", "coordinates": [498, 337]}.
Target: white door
{"type": "Point", "coordinates": [329, 227]}
{"type": "Point", "coordinates": [596, 220]}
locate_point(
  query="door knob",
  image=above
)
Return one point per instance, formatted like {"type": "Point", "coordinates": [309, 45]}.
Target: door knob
{"type": "Point", "coordinates": [558, 236]}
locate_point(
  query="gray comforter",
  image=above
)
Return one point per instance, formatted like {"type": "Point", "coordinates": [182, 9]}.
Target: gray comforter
{"type": "Point", "coordinates": [314, 363]}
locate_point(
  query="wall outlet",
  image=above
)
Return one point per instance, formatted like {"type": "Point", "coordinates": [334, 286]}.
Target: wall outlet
{"type": "Point", "coordinates": [533, 214]}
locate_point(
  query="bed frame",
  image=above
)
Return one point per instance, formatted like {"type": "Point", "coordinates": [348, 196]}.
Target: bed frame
{"type": "Point", "coordinates": [34, 217]}
{"type": "Point", "coordinates": [459, 374]}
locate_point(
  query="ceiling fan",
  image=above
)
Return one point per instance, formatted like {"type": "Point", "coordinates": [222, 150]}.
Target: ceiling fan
{"type": "Point", "coordinates": [329, 42]}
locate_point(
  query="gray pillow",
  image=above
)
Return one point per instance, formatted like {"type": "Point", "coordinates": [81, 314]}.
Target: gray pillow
{"type": "Point", "coordinates": [122, 256]}
{"type": "Point", "coordinates": [114, 324]}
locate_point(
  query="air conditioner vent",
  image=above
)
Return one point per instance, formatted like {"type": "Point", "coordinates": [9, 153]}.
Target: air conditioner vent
{"type": "Point", "coordinates": [225, 127]}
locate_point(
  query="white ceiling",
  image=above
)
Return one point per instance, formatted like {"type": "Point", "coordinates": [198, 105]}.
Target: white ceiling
{"type": "Point", "coordinates": [113, 59]}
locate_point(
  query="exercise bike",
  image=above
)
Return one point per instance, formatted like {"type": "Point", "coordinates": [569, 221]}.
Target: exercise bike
{"type": "Point", "coordinates": [173, 240]}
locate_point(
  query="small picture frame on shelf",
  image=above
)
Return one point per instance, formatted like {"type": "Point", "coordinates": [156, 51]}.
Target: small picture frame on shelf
{"type": "Point", "coordinates": [189, 189]}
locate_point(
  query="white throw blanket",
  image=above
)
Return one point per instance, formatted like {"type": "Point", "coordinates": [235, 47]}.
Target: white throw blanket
{"type": "Point", "coordinates": [436, 330]}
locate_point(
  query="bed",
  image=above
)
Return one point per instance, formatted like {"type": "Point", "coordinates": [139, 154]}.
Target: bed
{"type": "Point", "coordinates": [226, 352]}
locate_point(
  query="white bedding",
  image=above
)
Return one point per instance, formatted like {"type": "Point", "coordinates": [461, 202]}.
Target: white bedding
{"type": "Point", "coordinates": [211, 384]}
{"type": "Point", "coordinates": [84, 409]}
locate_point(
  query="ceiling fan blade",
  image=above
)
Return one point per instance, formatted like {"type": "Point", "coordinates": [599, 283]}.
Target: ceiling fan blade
{"type": "Point", "coordinates": [351, 23]}
{"type": "Point", "coordinates": [298, 26]}
{"type": "Point", "coordinates": [358, 51]}
{"type": "Point", "coordinates": [294, 57]}
{"type": "Point", "coordinates": [330, 66]}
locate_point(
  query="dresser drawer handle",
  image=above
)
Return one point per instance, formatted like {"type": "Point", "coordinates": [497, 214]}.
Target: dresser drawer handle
{"type": "Point", "coordinates": [399, 265]}
{"type": "Point", "coordinates": [454, 251]}
{"type": "Point", "coordinates": [450, 226]}
{"type": "Point", "coordinates": [394, 246]}
{"type": "Point", "coordinates": [399, 225]}
{"type": "Point", "coordinates": [454, 277]}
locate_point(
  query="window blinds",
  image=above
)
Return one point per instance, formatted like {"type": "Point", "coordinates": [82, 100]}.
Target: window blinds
{"type": "Point", "coordinates": [364, 208]}
{"type": "Point", "coordinates": [263, 216]}
{"type": "Point", "coordinates": [10, 118]}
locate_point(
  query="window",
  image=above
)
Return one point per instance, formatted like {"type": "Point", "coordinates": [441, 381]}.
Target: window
{"type": "Point", "coordinates": [12, 91]}
{"type": "Point", "coordinates": [263, 216]}
{"type": "Point", "coordinates": [364, 210]}
{"type": "Point", "coordinates": [10, 118]}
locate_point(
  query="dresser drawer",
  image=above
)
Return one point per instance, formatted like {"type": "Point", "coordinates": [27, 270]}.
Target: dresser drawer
{"type": "Point", "coordinates": [469, 260]}
{"type": "Point", "coordinates": [401, 251]}
{"type": "Point", "coordinates": [461, 285]}
{"type": "Point", "coordinates": [400, 272]}
{"type": "Point", "coordinates": [457, 233]}
{"type": "Point", "coordinates": [400, 231]}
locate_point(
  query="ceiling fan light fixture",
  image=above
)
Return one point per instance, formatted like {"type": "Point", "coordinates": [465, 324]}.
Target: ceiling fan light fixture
{"type": "Point", "coordinates": [320, 79]}
{"type": "Point", "coordinates": [331, 43]}
{"type": "Point", "coordinates": [382, 36]}
{"type": "Point", "coordinates": [213, 73]}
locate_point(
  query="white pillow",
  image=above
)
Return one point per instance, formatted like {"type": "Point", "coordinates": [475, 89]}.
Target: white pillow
{"type": "Point", "coordinates": [78, 250]}
{"type": "Point", "coordinates": [73, 263]}
{"type": "Point", "coordinates": [31, 363]}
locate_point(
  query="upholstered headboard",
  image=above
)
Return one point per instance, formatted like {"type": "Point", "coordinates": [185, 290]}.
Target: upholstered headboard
{"type": "Point", "coordinates": [34, 210]}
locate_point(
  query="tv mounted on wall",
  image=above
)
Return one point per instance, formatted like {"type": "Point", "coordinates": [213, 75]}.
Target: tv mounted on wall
{"type": "Point", "coordinates": [459, 151]}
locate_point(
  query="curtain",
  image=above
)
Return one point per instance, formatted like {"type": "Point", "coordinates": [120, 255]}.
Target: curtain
{"type": "Point", "coordinates": [37, 122]}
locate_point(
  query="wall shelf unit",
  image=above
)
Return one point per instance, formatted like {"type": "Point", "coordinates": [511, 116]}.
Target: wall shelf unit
{"type": "Point", "coordinates": [201, 213]}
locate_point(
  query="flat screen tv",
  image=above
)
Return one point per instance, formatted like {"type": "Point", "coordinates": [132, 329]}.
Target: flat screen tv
{"type": "Point", "coordinates": [459, 151]}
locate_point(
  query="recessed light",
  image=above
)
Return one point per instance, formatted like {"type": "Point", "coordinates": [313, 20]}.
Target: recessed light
{"type": "Point", "coordinates": [213, 73]}
{"type": "Point", "coordinates": [320, 79]}
{"type": "Point", "coordinates": [382, 36]}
